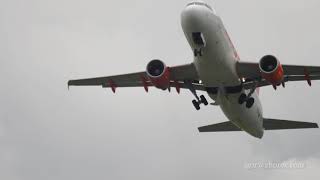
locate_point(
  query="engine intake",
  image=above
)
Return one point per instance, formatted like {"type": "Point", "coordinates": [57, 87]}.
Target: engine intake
{"type": "Point", "coordinates": [158, 74]}
{"type": "Point", "coordinates": [271, 69]}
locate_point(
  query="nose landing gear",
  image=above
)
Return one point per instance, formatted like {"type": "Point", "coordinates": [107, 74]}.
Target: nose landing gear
{"type": "Point", "coordinates": [197, 52]}
{"type": "Point", "coordinates": [199, 41]}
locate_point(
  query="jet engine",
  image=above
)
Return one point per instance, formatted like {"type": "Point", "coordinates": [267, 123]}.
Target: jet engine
{"type": "Point", "coordinates": [158, 74]}
{"type": "Point", "coordinates": [271, 70]}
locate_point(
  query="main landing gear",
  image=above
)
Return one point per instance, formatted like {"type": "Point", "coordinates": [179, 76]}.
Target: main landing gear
{"type": "Point", "coordinates": [199, 100]}
{"type": "Point", "coordinates": [196, 103]}
{"type": "Point", "coordinates": [244, 98]}
{"type": "Point", "coordinates": [247, 98]}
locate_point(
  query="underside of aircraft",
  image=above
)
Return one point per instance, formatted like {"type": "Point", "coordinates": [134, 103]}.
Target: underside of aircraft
{"type": "Point", "coordinates": [217, 70]}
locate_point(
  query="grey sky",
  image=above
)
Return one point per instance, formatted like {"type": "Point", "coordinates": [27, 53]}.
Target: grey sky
{"type": "Point", "coordinates": [48, 132]}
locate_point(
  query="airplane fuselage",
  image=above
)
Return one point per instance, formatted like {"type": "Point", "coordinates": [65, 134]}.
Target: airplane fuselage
{"type": "Point", "coordinates": [216, 66]}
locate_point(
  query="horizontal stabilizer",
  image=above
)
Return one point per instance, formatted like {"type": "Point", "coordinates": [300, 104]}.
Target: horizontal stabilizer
{"type": "Point", "coordinates": [275, 124]}
{"type": "Point", "coordinates": [268, 124]}
{"type": "Point", "coordinates": [224, 126]}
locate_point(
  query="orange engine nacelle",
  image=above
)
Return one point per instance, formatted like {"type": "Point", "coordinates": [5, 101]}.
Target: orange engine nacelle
{"type": "Point", "coordinates": [271, 70]}
{"type": "Point", "coordinates": [158, 74]}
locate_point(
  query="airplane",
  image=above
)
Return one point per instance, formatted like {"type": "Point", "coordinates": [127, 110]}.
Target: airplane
{"type": "Point", "coordinates": [217, 70]}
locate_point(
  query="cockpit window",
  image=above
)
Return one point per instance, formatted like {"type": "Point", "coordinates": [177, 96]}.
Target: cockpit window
{"type": "Point", "coordinates": [201, 4]}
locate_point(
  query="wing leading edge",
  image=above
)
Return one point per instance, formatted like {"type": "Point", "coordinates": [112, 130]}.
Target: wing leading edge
{"type": "Point", "coordinates": [251, 71]}
{"type": "Point", "coordinates": [178, 74]}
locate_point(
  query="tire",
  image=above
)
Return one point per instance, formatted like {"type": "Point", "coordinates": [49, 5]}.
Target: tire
{"type": "Point", "coordinates": [250, 102]}
{"type": "Point", "coordinates": [196, 104]}
{"type": "Point", "coordinates": [203, 100]}
{"type": "Point", "coordinates": [242, 98]}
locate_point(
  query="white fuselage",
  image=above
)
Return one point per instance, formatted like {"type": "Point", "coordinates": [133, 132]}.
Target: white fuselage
{"type": "Point", "coordinates": [216, 67]}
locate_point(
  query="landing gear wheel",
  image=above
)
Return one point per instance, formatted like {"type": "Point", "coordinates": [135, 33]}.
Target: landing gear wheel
{"type": "Point", "coordinates": [250, 102]}
{"type": "Point", "coordinates": [203, 100]}
{"type": "Point", "coordinates": [242, 98]}
{"type": "Point", "coordinates": [196, 104]}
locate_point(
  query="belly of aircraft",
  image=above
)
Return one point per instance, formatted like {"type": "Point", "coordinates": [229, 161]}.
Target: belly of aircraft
{"type": "Point", "coordinates": [216, 67]}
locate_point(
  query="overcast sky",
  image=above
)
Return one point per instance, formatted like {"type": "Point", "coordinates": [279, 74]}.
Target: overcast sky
{"type": "Point", "coordinates": [48, 132]}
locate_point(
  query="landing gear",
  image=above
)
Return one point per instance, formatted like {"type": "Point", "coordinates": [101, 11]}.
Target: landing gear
{"type": "Point", "coordinates": [197, 52]}
{"type": "Point", "coordinates": [244, 98]}
{"type": "Point", "coordinates": [203, 100]}
{"type": "Point", "coordinates": [196, 102]}
{"type": "Point", "coordinates": [199, 40]}
{"type": "Point", "coordinates": [250, 102]}
{"type": "Point", "coordinates": [247, 98]}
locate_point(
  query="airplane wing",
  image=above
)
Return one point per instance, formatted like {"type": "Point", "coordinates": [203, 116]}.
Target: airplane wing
{"type": "Point", "coordinates": [178, 74]}
{"type": "Point", "coordinates": [251, 71]}
{"type": "Point", "coordinates": [187, 72]}
{"type": "Point", "coordinates": [268, 124]}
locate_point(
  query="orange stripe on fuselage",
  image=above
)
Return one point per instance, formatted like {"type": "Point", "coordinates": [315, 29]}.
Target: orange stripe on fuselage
{"type": "Point", "coordinates": [235, 53]}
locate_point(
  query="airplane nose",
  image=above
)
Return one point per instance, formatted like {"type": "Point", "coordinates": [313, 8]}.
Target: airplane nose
{"type": "Point", "coordinates": [192, 16]}
{"type": "Point", "coordinates": [196, 15]}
